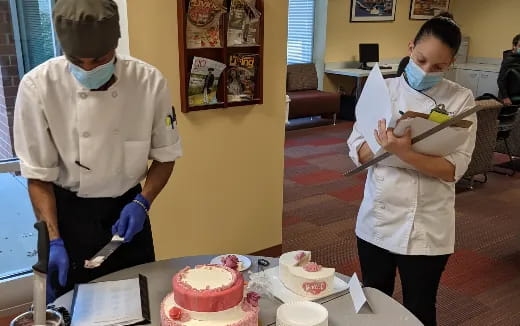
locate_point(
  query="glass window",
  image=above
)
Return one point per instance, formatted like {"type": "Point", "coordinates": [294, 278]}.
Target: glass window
{"type": "Point", "coordinates": [301, 31]}
{"type": "Point", "coordinates": [28, 40]}
{"type": "Point", "coordinates": [17, 235]}
{"type": "Point", "coordinates": [36, 35]}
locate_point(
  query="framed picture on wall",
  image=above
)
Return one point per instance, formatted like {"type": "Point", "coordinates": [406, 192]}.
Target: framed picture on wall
{"type": "Point", "coordinates": [426, 9]}
{"type": "Point", "coordinates": [372, 10]}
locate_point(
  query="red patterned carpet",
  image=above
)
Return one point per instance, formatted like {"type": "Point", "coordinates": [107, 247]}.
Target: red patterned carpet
{"type": "Point", "coordinates": [481, 285]}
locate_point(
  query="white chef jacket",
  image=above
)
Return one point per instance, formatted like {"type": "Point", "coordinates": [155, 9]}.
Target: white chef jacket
{"type": "Point", "coordinates": [404, 211]}
{"type": "Point", "coordinates": [112, 133]}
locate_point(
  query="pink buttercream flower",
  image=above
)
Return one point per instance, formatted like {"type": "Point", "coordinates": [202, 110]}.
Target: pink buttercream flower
{"type": "Point", "coordinates": [175, 313]}
{"type": "Point", "coordinates": [178, 314]}
{"type": "Point", "coordinates": [252, 298]}
{"type": "Point", "coordinates": [300, 258]}
{"type": "Point", "coordinates": [312, 267]}
{"type": "Point", "coordinates": [230, 261]}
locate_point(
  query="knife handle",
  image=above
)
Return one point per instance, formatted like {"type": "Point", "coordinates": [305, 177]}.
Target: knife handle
{"type": "Point", "coordinates": [43, 247]}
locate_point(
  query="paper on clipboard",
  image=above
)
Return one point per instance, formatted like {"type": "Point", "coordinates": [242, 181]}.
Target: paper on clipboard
{"type": "Point", "coordinates": [373, 105]}
{"type": "Point", "coordinates": [111, 303]}
{"type": "Point", "coordinates": [441, 144]}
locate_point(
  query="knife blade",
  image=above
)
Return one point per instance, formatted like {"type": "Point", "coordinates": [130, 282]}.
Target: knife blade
{"type": "Point", "coordinates": [104, 253]}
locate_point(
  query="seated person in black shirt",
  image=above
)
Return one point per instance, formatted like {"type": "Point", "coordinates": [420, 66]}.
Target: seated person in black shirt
{"type": "Point", "coordinates": [402, 65]}
{"type": "Point", "coordinates": [511, 60]}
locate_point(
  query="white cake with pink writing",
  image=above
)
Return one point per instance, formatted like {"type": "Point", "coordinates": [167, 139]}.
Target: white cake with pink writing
{"type": "Point", "coordinates": [304, 277]}
{"type": "Point", "coordinates": [209, 295]}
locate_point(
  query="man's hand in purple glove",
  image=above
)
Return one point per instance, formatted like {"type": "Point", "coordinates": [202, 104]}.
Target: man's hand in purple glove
{"type": "Point", "coordinates": [132, 218]}
{"type": "Point", "coordinates": [58, 264]}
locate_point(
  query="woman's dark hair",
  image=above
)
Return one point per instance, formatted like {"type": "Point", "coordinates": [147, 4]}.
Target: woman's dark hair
{"type": "Point", "coordinates": [444, 28]}
{"type": "Point", "coordinates": [516, 40]}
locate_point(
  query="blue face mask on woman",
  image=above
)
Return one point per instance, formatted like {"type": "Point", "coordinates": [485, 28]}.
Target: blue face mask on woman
{"type": "Point", "coordinates": [95, 78]}
{"type": "Point", "coordinates": [420, 80]}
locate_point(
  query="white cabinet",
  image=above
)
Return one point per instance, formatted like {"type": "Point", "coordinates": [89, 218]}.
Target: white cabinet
{"type": "Point", "coordinates": [468, 79]}
{"type": "Point", "coordinates": [487, 83]}
{"type": "Point", "coordinates": [452, 75]}
{"type": "Point", "coordinates": [479, 82]}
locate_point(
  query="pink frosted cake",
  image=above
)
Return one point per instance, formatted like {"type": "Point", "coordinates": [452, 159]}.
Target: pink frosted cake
{"type": "Point", "coordinates": [304, 277]}
{"type": "Point", "coordinates": [209, 295]}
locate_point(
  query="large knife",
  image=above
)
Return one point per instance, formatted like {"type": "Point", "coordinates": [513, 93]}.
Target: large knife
{"type": "Point", "coordinates": [40, 275]}
{"type": "Point", "coordinates": [106, 251]}
{"type": "Point", "coordinates": [417, 138]}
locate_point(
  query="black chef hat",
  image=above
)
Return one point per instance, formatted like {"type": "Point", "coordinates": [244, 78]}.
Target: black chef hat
{"type": "Point", "coordinates": [87, 28]}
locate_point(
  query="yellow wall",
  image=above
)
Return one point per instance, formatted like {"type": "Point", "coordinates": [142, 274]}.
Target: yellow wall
{"type": "Point", "coordinates": [343, 37]}
{"type": "Point", "coordinates": [491, 25]}
{"type": "Point", "coordinates": [226, 192]}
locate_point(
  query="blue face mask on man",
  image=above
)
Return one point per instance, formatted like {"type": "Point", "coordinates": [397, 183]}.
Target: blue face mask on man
{"type": "Point", "coordinates": [95, 78]}
{"type": "Point", "coordinates": [420, 80]}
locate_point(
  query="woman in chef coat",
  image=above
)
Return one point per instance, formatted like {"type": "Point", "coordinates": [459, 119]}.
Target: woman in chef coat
{"type": "Point", "coordinates": [85, 126]}
{"type": "Point", "coordinates": [406, 221]}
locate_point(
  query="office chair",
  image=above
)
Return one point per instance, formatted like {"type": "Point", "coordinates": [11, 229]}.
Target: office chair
{"type": "Point", "coordinates": [402, 65]}
{"type": "Point", "coordinates": [509, 114]}
{"type": "Point", "coordinates": [513, 85]}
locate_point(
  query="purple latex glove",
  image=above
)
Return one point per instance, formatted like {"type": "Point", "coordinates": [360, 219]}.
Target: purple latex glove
{"type": "Point", "coordinates": [132, 218]}
{"type": "Point", "coordinates": [58, 264]}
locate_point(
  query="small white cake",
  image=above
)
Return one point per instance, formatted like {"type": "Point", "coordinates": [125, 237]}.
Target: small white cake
{"type": "Point", "coordinates": [304, 277]}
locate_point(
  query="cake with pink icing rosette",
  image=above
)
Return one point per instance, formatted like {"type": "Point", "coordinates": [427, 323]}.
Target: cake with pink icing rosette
{"type": "Point", "coordinates": [231, 261]}
{"type": "Point", "coordinates": [210, 295]}
{"type": "Point", "coordinates": [305, 278]}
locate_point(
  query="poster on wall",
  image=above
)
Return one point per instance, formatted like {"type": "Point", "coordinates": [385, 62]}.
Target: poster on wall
{"type": "Point", "coordinates": [426, 9]}
{"type": "Point", "coordinates": [372, 10]}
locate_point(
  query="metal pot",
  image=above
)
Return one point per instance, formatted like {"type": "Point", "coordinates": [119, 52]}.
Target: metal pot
{"type": "Point", "coordinates": [54, 318]}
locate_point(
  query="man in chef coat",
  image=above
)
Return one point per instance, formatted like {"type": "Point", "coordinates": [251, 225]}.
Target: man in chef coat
{"type": "Point", "coordinates": [85, 126]}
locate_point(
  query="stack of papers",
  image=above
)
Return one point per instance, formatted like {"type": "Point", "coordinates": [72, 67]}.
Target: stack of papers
{"type": "Point", "coordinates": [108, 303]}
{"type": "Point", "coordinates": [375, 104]}
{"type": "Point", "coordinates": [440, 144]}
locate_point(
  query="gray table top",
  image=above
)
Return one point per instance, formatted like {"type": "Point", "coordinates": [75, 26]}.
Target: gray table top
{"type": "Point", "coordinates": [386, 311]}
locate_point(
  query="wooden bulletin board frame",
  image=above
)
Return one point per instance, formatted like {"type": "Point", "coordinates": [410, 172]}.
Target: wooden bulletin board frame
{"type": "Point", "coordinates": [218, 54]}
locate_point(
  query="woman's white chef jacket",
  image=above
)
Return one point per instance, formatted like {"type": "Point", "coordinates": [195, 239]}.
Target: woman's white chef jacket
{"type": "Point", "coordinates": [404, 211]}
{"type": "Point", "coordinates": [111, 133]}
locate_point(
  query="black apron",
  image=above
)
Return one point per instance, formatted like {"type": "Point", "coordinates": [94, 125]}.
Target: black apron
{"type": "Point", "coordinates": [85, 225]}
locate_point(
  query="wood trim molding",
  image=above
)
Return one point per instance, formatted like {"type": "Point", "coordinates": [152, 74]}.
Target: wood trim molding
{"type": "Point", "coordinates": [275, 251]}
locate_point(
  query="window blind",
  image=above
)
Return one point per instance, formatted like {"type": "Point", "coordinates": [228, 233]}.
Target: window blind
{"type": "Point", "coordinates": [36, 32]}
{"type": "Point", "coordinates": [301, 31]}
